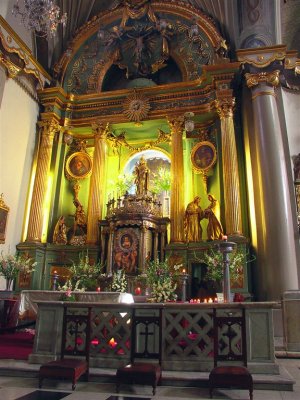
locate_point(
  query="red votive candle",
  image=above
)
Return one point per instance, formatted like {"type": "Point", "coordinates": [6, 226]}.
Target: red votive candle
{"type": "Point", "coordinates": [138, 291]}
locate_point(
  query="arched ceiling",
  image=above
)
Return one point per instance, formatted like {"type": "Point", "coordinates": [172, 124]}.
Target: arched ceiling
{"type": "Point", "coordinates": [236, 21]}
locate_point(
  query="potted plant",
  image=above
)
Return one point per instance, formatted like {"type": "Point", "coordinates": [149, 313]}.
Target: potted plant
{"type": "Point", "coordinates": [12, 265]}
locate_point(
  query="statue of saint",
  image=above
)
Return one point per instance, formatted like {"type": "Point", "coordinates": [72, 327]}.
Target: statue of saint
{"type": "Point", "coordinates": [192, 218]}
{"type": "Point", "coordinates": [60, 232]}
{"type": "Point", "coordinates": [214, 227]}
{"type": "Point", "coordinates": [141, 173]}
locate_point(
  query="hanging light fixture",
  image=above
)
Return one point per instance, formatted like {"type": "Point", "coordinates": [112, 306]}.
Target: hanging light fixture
{"type": "Point", "coordinates": [41, 16]}
{"type": "Point", "coordinates": [189, 123]}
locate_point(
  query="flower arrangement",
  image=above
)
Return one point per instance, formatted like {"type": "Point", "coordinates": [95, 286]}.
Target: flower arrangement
{"type": "Point", "coordinates": [162, 281]}
{"type": "Point", "coordinates": [213, 258]}
{"type": "Point", "coordinates": [67, 296]}
{"type": "Point", "coordinates": [12, 265]}
{"type": "Point", "coordinates": [84, 276]}
{"type": "Point", "coordinates": [119, 283]}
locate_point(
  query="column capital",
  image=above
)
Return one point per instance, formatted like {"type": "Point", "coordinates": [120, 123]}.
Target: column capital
{"type": "Point", "coordinates": [270, 78]}
{"type": "Point", "coordinates": [176, 124]}
{"type": "Point", "coordinates": [49, 126]}
{"type": "Point", "coordinates": [100, 129]}
{"type": "Point", "coordinates": [225, 107]}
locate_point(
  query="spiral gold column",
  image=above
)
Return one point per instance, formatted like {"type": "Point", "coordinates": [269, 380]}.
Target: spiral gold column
{"type": "Point", "coordinates": [233, 219]}
{"type": "Point", "coordinates": [177, 180]}
{"type": "Point", "coordinates": [96, 196]}
{"type": "Point", "coordinates": [48, 129]}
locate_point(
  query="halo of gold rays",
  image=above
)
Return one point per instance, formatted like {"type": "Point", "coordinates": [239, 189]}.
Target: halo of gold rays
{"type": "Point", "coordinates": [136, 107]}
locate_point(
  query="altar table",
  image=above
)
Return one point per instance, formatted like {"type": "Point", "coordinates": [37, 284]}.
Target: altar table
{"type": "Point", "coordinates": [28, 307]}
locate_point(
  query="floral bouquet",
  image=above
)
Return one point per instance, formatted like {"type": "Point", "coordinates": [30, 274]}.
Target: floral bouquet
{"type": "Point", "coordinates": [12, 265]}
{"type": "Point", "coordinates": [84, 276]}
{"type": "Point", "coordinates": [213, 258]}
{"type": "Point", "coordinates": [162, 281]}
{"type": "Point", "coordinates": [119, 283]}
{"type": "Point", "coordinates": [67, 296]}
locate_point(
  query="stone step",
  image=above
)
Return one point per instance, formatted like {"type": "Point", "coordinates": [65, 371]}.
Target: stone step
{"type": "Point", "coordinates": [279, 382]}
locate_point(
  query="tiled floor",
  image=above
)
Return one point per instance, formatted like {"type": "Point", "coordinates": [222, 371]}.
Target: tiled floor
{"type": "Point", "coordinates": [16, 388]}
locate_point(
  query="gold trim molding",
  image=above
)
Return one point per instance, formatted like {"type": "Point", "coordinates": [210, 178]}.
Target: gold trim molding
{"type": "Point", "coordinates": [27, 65]}
{"type": "Point", "coordinates": [270, 78]}
{"type": "Point", "coordinates": [261, 57]}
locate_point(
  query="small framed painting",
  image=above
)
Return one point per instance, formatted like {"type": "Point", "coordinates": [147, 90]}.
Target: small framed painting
{"type": "Point", "coordinates": [79, 165]}
{"type": "Point", "coordinates": [203, 156]}
{"type": "Point", "coordinates": [4, 210]}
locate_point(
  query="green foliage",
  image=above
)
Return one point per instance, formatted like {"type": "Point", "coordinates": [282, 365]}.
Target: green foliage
{"type": "Point", "coordinates": [84, 276]}
{"type": "Point", "coordinates": [161, 181]}
{"type": "Point", "coordinates": [121, 184]}
{"type": "Point", "coordinates": [162, 280]}
{"type": "Point", "coordinates": [119, 283]}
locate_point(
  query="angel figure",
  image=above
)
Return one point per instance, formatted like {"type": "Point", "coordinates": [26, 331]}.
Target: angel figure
{"type": "Point", "coordinates": [60, 232]}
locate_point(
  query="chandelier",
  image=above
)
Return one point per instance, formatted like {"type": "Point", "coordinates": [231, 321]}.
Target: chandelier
{"type": "Point", "coordinates": [41, 16]}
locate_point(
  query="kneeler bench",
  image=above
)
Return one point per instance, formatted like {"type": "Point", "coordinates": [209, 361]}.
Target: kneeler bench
{"type": "Point", "coordinates": [228, 347]}
{"type": "Point", "coordinates": [75, 342]}
{"type": "Point", "coordinates": [139, 371]}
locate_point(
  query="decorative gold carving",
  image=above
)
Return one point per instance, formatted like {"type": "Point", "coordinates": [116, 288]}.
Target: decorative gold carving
{"type": "Point", "coordinates": [263, 93]}
{"type": "Point", "coordinates": [12, 69]}
{"type": "Point", "coordinates": [136, 107]}
{"type": "Point", "coordinates": [225, 107]}
{"type": "Point", "coordinates": [271, 78]}
{"type": "Point", "coordinates": [12, 43]}
{"type": "Point", "coordinates": [120, 140]}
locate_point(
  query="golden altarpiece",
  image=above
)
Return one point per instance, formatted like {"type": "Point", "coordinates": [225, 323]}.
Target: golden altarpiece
{"type": "Point", "coordinates": [149, 81]}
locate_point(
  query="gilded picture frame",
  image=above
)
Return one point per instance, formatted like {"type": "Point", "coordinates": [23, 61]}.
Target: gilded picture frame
{"type": "Point", "coordinates": [79, 165]}
{"type": "Point", "coordinates": [203, 156]}
{"type": "Point", "coordinates": [4, 210]}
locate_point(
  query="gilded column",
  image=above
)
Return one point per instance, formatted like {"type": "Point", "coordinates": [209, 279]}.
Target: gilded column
{"type": "Point", "coordinates": [233, 219]}
{"type": "Point", "coordinates": [48, 129]}
{"type": "Point", "coordinates": [278, 250]}
{"type": "Point", "coordinates": [177, 180]}
{"type": "Point", "coordinates": [96, 196]}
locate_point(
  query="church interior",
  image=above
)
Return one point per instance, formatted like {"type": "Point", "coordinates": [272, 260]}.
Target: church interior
{"type": "Point", "coordinates": [154, 162]}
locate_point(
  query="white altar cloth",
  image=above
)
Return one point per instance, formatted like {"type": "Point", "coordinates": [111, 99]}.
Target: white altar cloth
{"type": "Point", "coordinates": [29, 308]}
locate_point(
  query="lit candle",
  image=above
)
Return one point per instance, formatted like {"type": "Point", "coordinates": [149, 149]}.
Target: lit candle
{"type": "Point", "coordinates": [210, 300]}
{"type": "Point", "coordinates": [138, 291]}
{"type": "Point", "coordinates": [205, 300]}
{"type": "Point", "coordinates": [98, 289]}
{"type": "Point", "coordinates": [183, 271]}
{"type": "Point", "coordinates": [112, 342]}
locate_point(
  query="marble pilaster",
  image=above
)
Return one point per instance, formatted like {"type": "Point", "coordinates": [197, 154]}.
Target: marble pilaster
{"type": "Point", "coordinates": [275, 225]}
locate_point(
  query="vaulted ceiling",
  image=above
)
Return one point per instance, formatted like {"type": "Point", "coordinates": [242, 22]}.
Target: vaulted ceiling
{"type": "Point", "coordinates": [243, 23]}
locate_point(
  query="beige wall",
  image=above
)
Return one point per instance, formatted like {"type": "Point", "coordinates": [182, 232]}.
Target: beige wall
{"type": "Point", "coordinates": [291, 103]}
{"type": "Point", "coordinates": [18, 117]}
